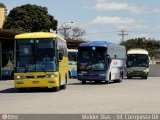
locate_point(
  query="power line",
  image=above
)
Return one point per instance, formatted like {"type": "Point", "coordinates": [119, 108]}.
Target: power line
{"type": "Point", "coordinates": [151, 32]}
{"type": "Point", "coordinates": [99, 32]}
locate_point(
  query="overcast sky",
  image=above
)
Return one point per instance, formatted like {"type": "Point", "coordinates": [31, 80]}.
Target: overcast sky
{"type": "Point", "coordinates": [104, 19]}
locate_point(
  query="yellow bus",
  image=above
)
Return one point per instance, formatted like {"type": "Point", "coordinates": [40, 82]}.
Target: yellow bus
{"type": "Point", "coordinates": [40, 61]}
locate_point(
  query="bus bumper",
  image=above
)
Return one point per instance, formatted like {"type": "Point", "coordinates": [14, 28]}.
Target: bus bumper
{"type": "Point", "coordinates": [92, 76]}
{"type": "Point", "coordinates": [41, 83]}
{"type": "Point", "coordinates": [137, 74]}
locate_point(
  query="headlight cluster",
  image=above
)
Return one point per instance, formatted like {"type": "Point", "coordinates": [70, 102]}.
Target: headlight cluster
{"type": "Point", "coordinates": [80, 74]}
{"type": "Point", "coordinates": [19, 77]}
{"type": "Point", "coordinates": [145, 70]}
{"type": "Point", "coordinates": [102, 74]}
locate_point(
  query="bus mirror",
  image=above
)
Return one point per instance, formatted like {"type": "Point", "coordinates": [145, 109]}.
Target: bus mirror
{"type": "Point", "coordinates": [60, 56]}
{"type": "Point", "coordinates": [109, 60]}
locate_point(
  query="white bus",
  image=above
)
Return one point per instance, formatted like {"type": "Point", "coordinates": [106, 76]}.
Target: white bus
{"type": "Point", "coordinates": [72, 63]}
{"type": "Point", "coordinates": [137, 63]}
{"type": "Point", "coordinates": [100, 61]}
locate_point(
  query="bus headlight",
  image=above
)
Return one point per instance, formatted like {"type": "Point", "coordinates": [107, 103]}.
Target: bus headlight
{"type": "Point", "coordinates": [102, 74]}
{"type": "Point", "coordinates": [80, 74]}
{"type": "Point", "coordinates": [18, 77]}
{"type": "Point", "coordinates": [145, 70]}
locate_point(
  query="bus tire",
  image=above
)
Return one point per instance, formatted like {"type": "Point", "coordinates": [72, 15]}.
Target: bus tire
{"type": "Point", "coordinates": [59, 86]}
{"type": "Point", "coordinates": [145, 77]}
{"type": "Point", "coordinates": [107, 81]}
{"type": "Point", "coordinates": [83, 81]}
{"type": "Point", "coordinates": [120, 77]}
{"type": "Point", "coordinates": [128, 77]}
{"type": "Point", "coordinates": [64, 86]}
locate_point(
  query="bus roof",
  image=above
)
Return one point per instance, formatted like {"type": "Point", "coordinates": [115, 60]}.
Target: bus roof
{"type": "Point", "coordinates": [36, 35]}
{"type": "Point", "coordinates": [137, 51]}
{"type": "Point", "coordinates": [95, 43]}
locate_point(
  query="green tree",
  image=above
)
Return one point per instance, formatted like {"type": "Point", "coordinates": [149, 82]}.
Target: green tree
{"type": "Point", "coordinates": [30, 18]}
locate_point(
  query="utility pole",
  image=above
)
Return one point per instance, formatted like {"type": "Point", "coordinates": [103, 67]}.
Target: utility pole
{"type": "Point", "coordinates": [122, 34]}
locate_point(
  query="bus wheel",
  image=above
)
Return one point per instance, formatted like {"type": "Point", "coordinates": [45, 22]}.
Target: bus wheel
{"type": "Point", "coordinates": [59, 86]}
{"type": "Point", "coordinates": [83, 81]}
{"type": "Point", "coordinates": [145, 77]}
{"type": "Point", "coordinates": [107, 81]}
{"type": "Point", "coordinates": [120, 77]}
{"type": "Point", "coordinates": [128, 77]}
{"type": "Point", "coordinates": [64, 86]}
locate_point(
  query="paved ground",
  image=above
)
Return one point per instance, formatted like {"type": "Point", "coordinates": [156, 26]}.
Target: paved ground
{"type": "Point", "coordinates": [154, 70]}
{"type": "Point", "coordinates": [130, 96]}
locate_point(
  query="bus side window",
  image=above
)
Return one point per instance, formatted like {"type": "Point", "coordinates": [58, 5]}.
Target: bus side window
{"type": "Point", "coordinates": [74, 58]}
{"type": "Point", "coordinates": [11, 55]}
{"type": "Point", "coordinates": [60, 56]}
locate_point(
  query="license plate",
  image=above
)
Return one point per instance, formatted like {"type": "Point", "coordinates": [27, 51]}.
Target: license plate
{"type": "Point", "coordinates": [35, 82]}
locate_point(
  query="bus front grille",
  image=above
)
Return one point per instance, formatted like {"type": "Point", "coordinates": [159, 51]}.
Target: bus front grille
{"type": "Point", "coordinates": [40, 76]}
{"type": "Point", "coordinates": [29, 76]}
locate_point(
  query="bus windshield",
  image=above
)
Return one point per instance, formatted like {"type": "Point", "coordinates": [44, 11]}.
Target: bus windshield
{"type": "Point", "coordinates": [35, 55]}
{"type": "Point", "coordinates": [92, 59]}
{"type": "Point", "coordinates": [137, 60]}
{"type": "Point", "coordinates": [72, 56]}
